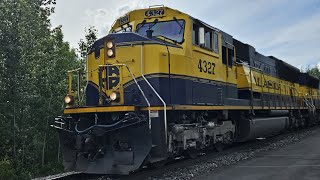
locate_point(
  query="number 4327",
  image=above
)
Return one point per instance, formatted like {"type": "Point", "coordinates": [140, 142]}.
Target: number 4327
{"type": "Point", "coordinates": [206, 67]}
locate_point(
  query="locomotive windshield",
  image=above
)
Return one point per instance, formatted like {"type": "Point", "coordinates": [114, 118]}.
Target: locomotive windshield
{"type": "Point", "coordinates": [173, 30]}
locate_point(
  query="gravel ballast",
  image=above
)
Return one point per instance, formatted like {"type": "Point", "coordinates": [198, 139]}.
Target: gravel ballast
{"type": "Point", "coordinates": [234, 155]}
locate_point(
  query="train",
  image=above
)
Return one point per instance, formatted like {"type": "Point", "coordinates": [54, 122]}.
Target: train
{"type": "Point", "coordinates": [163, 84]}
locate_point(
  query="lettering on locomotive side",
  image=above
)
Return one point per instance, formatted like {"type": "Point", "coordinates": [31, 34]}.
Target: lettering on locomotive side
{"type": "Point", "coordinates": [267, 84]}
{"type": "Point", "coordinates": [206, 66]}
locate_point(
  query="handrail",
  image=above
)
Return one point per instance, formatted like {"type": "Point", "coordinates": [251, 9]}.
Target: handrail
{"type": "Point", "coordinates": [163, 102]}
{"type": "Point", "coordinates": [74, 70]}
{"type": "Point", "coordinates": [70, 74]}
{"type": "Point", "coordinates": [309, 105]}
{"type": "Point", "coordinates": [250, 76]}
{"type": "Point", "coordinates": [156, 6]}
{"type": "Point", "coordinates": [136, 82]}
{"type": "Point", "coordinates": [80, 72]}
{"type": "Point", "coordinates": [251, 88]}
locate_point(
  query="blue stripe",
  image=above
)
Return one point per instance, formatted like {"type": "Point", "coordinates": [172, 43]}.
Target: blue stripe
{"type": "Point", "coordinates": [179, 90]}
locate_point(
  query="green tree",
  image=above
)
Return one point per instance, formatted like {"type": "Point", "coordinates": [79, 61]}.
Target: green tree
{"type": "Point", "coordinates": [34, 61]}
{"type": "Point", "coordinates": [314, 71]}
{"type": "Point", "coordinates": [85, 44]}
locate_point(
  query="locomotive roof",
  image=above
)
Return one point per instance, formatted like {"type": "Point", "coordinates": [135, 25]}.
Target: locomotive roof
{"type": "Point", "coordinates": [168, 8]}
{"type": "Point", "coordinates": [228, 38]}
{"type": "Point", "coordinates": [285, 63]}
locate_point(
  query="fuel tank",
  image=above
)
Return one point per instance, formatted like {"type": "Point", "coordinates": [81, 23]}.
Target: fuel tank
{"type": "Point", "coordinates": [249, 129]}
{"type": "Point", "coordinates": [272, 113]}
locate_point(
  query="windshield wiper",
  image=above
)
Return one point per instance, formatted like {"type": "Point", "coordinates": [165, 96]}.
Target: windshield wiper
{"type": "Point", "coordinates": [157, 36]}
{"type": "Point", "coordinates": [142, 24]}
{"type": "Point", "coordinates": [154, 23]}
{"type": "Point", "coordinates": [149, 31]}
{"type": "Point", "coordinates": [181, 27]}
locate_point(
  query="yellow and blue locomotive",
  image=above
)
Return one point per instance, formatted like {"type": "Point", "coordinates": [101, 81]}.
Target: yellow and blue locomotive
{"type": "Point", "coordinates": [163, 84]}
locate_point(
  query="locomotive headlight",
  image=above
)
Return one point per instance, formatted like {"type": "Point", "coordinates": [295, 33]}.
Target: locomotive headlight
{"type": "Point", "coordinates": [114, 96]}
{"type": "Point", "coordinates": [69, 99]}
{"type": "Point", "coordinates": [110, 44]}
{"type": "Point", "coordinates": [110, 52]}
{"type": "Point", "coordinates": [110, 48]}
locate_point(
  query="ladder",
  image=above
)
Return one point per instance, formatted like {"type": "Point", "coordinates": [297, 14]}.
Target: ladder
{"type": "Point", "coordinates": [309, 104]}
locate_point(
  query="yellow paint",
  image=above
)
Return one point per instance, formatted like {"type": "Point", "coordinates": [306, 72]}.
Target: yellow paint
{"type": "Point", "coordinates": [252, 78]}
{"type": "Point", "coordinates": [308, 92]}
{"type": "Point", "coordinates": [183, 62]}
{"type": "Point", "coordinates": [190, 107]}
{"type": "Point", "coordinates": [170, 108]}
{"type": "Point", "coordinates": [99, 109]}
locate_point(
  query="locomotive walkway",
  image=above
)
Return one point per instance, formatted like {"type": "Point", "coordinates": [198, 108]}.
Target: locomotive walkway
{"type": "Point", "coordinates": [295, 162]}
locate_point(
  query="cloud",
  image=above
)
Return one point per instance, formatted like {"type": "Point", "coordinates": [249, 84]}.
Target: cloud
{"type": "Point", "coordinates": [304, 30]}
{"type": "Point", "coordinates": [298, 43]}
{"type": "Point", "coordinates": [286, 29]}
{"type": "Point", "coordinates": [124, 9]}
{"type": "Point", "coordinates": [103, 18]}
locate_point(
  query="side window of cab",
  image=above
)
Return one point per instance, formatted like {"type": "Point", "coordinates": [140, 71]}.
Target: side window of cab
{"type": "Point", "coordinates": [215, 42]}
{"type": "Point", "coordinates": [195, 34]}
{"type": "Point", "coordinates": [205, 38]}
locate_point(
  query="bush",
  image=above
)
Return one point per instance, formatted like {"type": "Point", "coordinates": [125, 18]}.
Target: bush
{"type": "Point", "coordinates": [6, 169]}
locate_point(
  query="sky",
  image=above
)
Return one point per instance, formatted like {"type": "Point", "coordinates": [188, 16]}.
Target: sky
{"type": "Point", "coordinates": [286, 29]}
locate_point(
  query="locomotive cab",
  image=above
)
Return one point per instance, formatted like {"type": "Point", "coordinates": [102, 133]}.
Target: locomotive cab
{"type": "Point", "coordinates": [143, 44]}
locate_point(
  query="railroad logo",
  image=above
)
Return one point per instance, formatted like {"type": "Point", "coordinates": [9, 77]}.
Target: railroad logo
{"type": "Point", "coordinates": [112, 79]}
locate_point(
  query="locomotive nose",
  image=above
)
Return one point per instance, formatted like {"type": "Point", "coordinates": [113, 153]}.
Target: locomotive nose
{"type": "Point", "coordinates": [115, 153]}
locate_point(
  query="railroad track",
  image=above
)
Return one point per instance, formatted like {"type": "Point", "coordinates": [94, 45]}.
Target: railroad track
{"type": "Point", "coordinates": [181, 163]}
{"type": "Point", "coordinates": [70, 176]}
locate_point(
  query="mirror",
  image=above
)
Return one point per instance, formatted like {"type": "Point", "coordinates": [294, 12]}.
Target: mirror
{"type": "Point", "coordinates": [201, 36]}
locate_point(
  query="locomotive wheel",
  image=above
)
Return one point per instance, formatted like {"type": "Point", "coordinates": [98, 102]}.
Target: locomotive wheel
{"type": "Point", "coordinates": [219, 146]}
